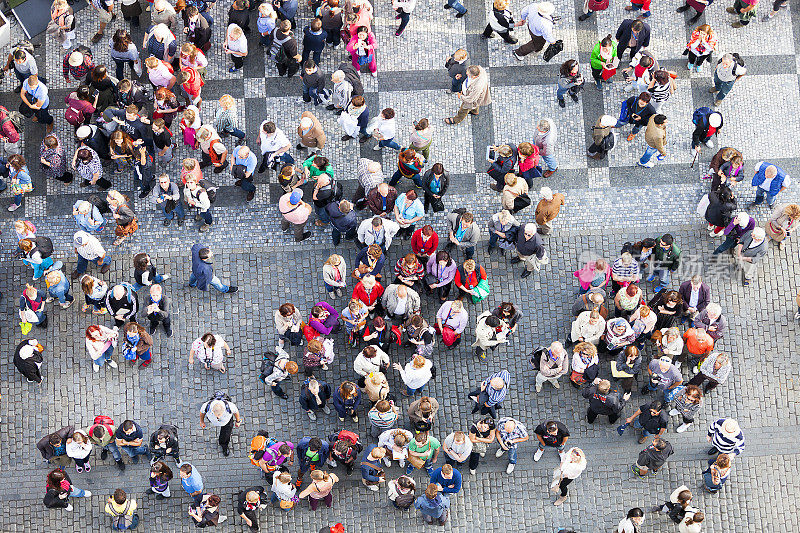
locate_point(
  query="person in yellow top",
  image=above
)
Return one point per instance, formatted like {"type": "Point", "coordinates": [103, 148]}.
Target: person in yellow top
{"type": "Point", "coordinates": [122, 511]}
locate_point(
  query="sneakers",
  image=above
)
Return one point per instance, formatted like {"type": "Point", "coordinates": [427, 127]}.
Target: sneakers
{"type": "Point", "coordinates": [651, 278]}
{"type": "Point", "coordinates": [518, 57]}
{"type": "Point", "coordinates": [66, 305]}
{"type": "Point", "coordinates": [377, 147]}
{"type": "Point", "coordinates": [471, 471]}
{"type": "Point", "coordinates": [68, 507]}
{"type": "Point", "coordinates": [538, 454]}
{"type": "Point", "coordinates": [112, 364]}
{"type": "Point", "coordinates": [674, 412]}
{"type": "Point", "coordinates": [332, 463]}
{"type": "Point", "coordinates": [499, 452]}
{"type": "Point", "coordinates": [96, 367]}
{"type": "Point", "coordinates": [103, 454]}
{"type": "Point", "coordinates": [121, 465]}
{"type": "Point", "coordinates": [232, 289]}
{"type": "Point", "coordinates": [510, 468]}
{"type": "Point", "coordinates": [88, 467]}
{"type": "Point", "coordinates": [562, 103]}
{"type": "Point", "coordinates": [78, 469]}
{"type": "Point", "coordinates": [326, 410]}
{"type": "Point", "coordinates": [85, 308]}
{"type": "Point", "coordinates": [387, 461]}
{"type": "Point", "coordinates": [311, 416]}
{"type": "Point", "coordinates": [683, 427]}
{"type": "Point", "coordinates": [709, 143]}
{"type": "Point", "coordinates": [689, 66]}
{"type": "Point", "coordinates": [797, 315]}
{"type": "Point", "coordinates": [538, 389]}
{"type": "Point", "coordinates": [14, 207]}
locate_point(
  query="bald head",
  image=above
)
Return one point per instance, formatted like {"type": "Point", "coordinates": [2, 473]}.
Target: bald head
{"type": "Point", "coordinates": [497, 383]}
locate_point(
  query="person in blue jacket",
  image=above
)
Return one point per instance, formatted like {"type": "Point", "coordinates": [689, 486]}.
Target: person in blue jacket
{"type": "Point", "coordinates": [447, 479]}
{"type": "Point", "coordinates": [433, 506]}
{"type": "Point", "coordinates": [311, 453]}
{"type": "Point", "coordinates": [203, 271]}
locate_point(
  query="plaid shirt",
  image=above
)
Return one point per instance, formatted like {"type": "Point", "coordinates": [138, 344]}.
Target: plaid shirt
{"type": "Point", "coordinates": [367, 179]}
{"type": "Point", "coordinates": [520, 432]}
{"type": "Point", "coordinates": [225, 120]}
{"type": "Point", "coordinates": [78, 72]}
{"type": "Point", "coordinates": [497, 396]}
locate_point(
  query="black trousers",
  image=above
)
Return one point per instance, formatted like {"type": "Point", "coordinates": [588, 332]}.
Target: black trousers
{"type": "Point", "coordinates": [156, 319]}
{"type": "Point", "coordinates": [225, 433]}
{"type": "Point", "coordinates": [563, 485]}
{"type": "Point", "coordinates": [591, 416]}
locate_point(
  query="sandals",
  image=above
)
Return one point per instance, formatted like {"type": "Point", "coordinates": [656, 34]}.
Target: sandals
{"type": "Point", "coordinates": [449, 121]}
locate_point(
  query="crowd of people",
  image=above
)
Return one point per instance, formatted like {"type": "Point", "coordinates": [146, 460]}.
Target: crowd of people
{"type": "Point", "coordinates": [663, 351]}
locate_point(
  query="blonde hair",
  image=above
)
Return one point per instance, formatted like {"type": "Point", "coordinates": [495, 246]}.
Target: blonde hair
{"type": "Point", "coordinates": [418, 361]}
{"type": "Point", "coordinates": [460, 54]}
{"type": "Point", "coordinates": [151, 62]}
{"type": "Point", "coordinates": [266, 10]}
{"type": "Point", "coordinates": [500, 4]}
{"type": "Point", "coordinates": [334, 259]}
{"type": "Point", "coordinates": [226, 101]}
{"type": "Point", "coordinates": [116, 196]}
{"type": "Point", "coordinates": [235, 31]}
{"type": "Point", "coordinates": [511, 179]}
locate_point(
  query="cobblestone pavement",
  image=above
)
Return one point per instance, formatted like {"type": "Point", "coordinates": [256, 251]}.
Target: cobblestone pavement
{"type": "Point", "coordinates": [608, 202]}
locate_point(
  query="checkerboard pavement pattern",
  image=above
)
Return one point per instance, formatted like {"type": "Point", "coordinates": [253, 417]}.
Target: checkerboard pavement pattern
{"type": "Point", "coordinates": [608, 202]}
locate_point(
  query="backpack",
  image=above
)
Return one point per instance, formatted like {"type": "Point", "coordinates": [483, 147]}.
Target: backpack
{"type": "Point", "coordinates": [536, 357]}
{"type": "Point", "coordinates": [15, 117]}
{"type": "Point", "coordinates": [348, 436]}
{"type": "Point", "coordinates": [260, 443]}
{"type": "Point", "coordinates": [223, 397]}
{"type": "Point", "coordinates": [267, 364]}
{"type": "Point", "coordinates": [738, 59]}
{"type": "Point", "coordinates": [102, 420]}
{"type": "Point", "coordinates": [405, 501]}
{"type": "Point", "coordinates": [44, 245]}
{"type": "Point", "coordinates": [210, 188]}
{"type": "Point", "coordinates": [74, 116]}
{"type": "Point", "coordinates": [700, 115]}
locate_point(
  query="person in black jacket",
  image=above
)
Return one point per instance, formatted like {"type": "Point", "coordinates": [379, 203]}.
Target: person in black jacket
{"type": "Point", "coordinates": [650, 418]}
{"type": "Point", "coordinates": [503, 163]}
{"type": "Point", "coordinates": [239, 14]}
{"type": "Point", "coordinates": [705, 129]}
{"type": "Point", "coordinates": [200, 34]}
{"type": "Point", "coordinates": [59, 489]}
{"type": "Point", "coordinates": [164, 442]}
{"type": "Point", "coordinates": [313, 82]}
{"type": "Point", "coordinates": [721, 208]}
{"type": "Point", "coordinates": [314, 38]}
{"type": "Point", "coordinates": [603, 402]}
{"type": "Point", "coordinates": [639, 112]}
{"type": "Point", "coordinates": [633, 35]}
{"type": "Point", "coordinates": [314, 395]}
{"type": "Point", "coordinates": [250, 502]}
{"type": "Point", "coordinates": [131, 93]}
{"type": "Point", "coordinates": [653, 457]}
{"type": "Point", "coordinates": [501, 21]}
{"type": "Point", "coordinates": [435, 182]}
{"type": "Point", "coordinates": [456, 66]}
{"type": "Point", "coordinates": [156, 309]}
{"type": "Point", "coordinates": [343, 221]}
{"type": "Point", "coordinates": [122, 303]}
{"type": "Point", "coordinates": [530, 249]}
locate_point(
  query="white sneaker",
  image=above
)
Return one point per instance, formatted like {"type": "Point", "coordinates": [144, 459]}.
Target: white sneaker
{"type": "Point", "coordinates": [518, 58]}
{"type": "Point", "coordinates": [48, 299]}
{"type": "Point", "coordinates": [797, 315]}
{"type": "Point", "coordinates": [66, 305]}
{"type": "Point", "coordinates": [538, 388]}
{"type": "Point", "coordinates": [387, 461]}
{"type": "Point", "coordinates": [472, 472]}
{"type": "Point", "coordinates": [682, 428]}
{"type": "Point", "coordinates": [96, 367]}
{"type": "Point", "coordinates": [166, 277]}
{"type": "Point", "coordinates": [87, 494]}
{"type": "Point", "coordinates": [649, 164]}
{"type": "Point", "coordinates": [674, 412]}
{"type": "Point", "coordinates": [510, 468]}
{"type": "Point", "coordinates": [373, 488]}
{"type": "Point", "coordinates": [331, 463]}
{"type": "Point", "coordinates": [555, 384]}
{"type": "Point", "coordinates": [112, 364]}
{"type": "Point", "coordinates": [311, 416]}
{"type": "Point", "coordinates": [68, 507]}
{"type": "Point", "coordinates": [499, 452]}
{"type": "Point", "coordinates": [14, 207]}
{"type": "Point", "coordinates": [222, 518]}
{"type": "Point", "coordinates": [326, 410]}
{"type": "Point", "coordinates": [538, 454]}
{"type": "Point", "coordinates": [377, 148]}
{"type": "Point", "coordinates": [709, 143]}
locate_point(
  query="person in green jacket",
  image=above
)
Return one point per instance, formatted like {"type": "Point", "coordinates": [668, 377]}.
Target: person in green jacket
{"type": "Point", "coordinates": [316, 165]}
{"type": "Point", "coordinates": [666, 258]}
{"type": "Point", "coordinates": [604, 56]}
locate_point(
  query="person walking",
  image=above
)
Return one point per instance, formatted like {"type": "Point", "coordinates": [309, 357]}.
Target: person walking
{"type": "Point", "coordinates": [573, 463]}
{"type": "Point", "coordinates": [202, 275]}
{"type": "Point", "coordinates": [725, 437]}
{"type": "Point", "coordinates": [730, 69]}
{"type": "Point", "coordinates": [475, 95]}
{"type": "Point", "coordinates": [220, 411]}
{"type": "Point", "coordinates": [501, 20]}
{"type": "Point", "coordinates": [656, 138]}
{"type": "Point", "coordinates": [653, 457]}
{"type": "Point", "coordinates": [538, 17]}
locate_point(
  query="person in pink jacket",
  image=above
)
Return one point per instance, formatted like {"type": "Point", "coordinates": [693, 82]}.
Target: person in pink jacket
{"type": "Point", "coordinates": [593, 274]}
{"type": "Point", "coordinates": [295, 214]}
{"type": "Point", "coordinates": [362, 50]}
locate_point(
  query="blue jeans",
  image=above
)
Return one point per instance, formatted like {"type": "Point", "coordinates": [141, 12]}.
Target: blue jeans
{"type": "Point", "coordinates": [416, 178]}
{"type": "Point", "coordinates": [134, 524]}
{"type": "Point", "coordinates": [179, 211]}
{"type": "Point", "coordinates": [236, 132]}
{"type": "Point", "coordinates": [310, 93]}
{"type": "Point", "coordinates": [761, 193]}
{"type": "Point", "coordinates": [322, 215]}
{"type": "Point", "coordinates": [412, 392]}
{"type": "Point", "coordinates": [560, 92]}
{"type": "Point", "coordinates": [455, 85]}
{"type": "Point", "coordinates": [637, 425]}
{"type": "Point", "coordinates": [730, 242]}
{"type": "Point", "coordinates": [38, 270]}
{"type": "Point", "coordinates": [549, 161]}
{"type": "Point", "coordinates": [663, 275]}
{"type": "Point", "coordinates": [723, 87]}
{"type": "Point", "coordinates": [83, 263]}
{"type": "Point", "coordinates": [61, 291]}
{"type": "Point", "coordinates": [158, 278]}
{"type": "Point", "coordinates": [133, 451]}
{"type": "Point", "coordinates": [512, 455]}
{"type": "Point", "coordinates": [113, 450]}
{"type": "Point", "coordinates": [215, 282]}
{"type": "Point", "coordinates": [390, 143]}
{"type": "Point", "coordinates": [648, 154]}
{"type": "Point", "coordinates": [455, 4]}
{"type": "Point", "coordinates": [428, 466]}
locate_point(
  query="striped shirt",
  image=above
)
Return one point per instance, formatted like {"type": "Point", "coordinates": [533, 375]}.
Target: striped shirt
{"type": "Point", "coordinates": [520, 432]}
{"type": "Point", "coordinates": [497, 396]}
{"type": "Point", "coordinates": [730, 445]}
{"type": "Point", "coordinates": [620, 270]}
{"type": "Point", "coordinates": [382, 420]}
{"type": "Point", "coordinates": [660, 93]}
{"type": "Point", "coordinates": [225, 120]}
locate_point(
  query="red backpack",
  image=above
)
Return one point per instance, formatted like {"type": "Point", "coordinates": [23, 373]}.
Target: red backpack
{"type": "Point", "coordinates": [348, 436]}
{"type": "Point", "coordinates": [105, 421]}
{"type": "Point", "coordinates": [74, 116]}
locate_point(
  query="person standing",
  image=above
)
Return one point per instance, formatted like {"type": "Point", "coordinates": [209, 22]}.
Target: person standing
{"type": "Point", "coordinates": [510, 433]}
{"type": "Point", "coordinates": [552, 434]}
{"type": "Point", "coordinates": [501, 20]}
{"type": "Point", "coordinates": [252, 500]}
{"type": "Point", "coordinates": [633, 35]}
{"type": "Point", "coordinates": [553, 363]}
{"type": "Point", "coordinates": [603, 402]}
{"type": "Point", "coordinates": [530, 250]}
{"type": "Point", "coordinates": [28, 360]}
{"type": "Point", "coordinates": [769, 180]}
{"type": "Point", "coordinates": [220, 411]}
{"type": "Point", "coordinates": [653, 457]}
{"type": "Point", "coordinates": [545, 140]}
{"type": "Point", "coordinates": [547, 209]}
{"type": "Point", "coordinates": [730, 69]}
{"type": "Point", "coordinates": [456, 66]}
{"type": "Point", "coordinates": [570, 82]}
{"type": "Point", "coordinates": [192, 482]}
{"type": "Point", "coordinates": [474, 94]}
{"type": "Point", "coordinates": [539, 19]}
{"type": "Point", "coordinates": [656, 137]}
{"type": "Point", "coordinates": [160, 476]}
{"type": "Point", "coordinates": [573, 463]}
{"type": "Point", "coordinates": [295, 214]}
{"type": "Point", "coordinates": [749, 252]}
{"type": "Point", "coordinates": [129, 437]}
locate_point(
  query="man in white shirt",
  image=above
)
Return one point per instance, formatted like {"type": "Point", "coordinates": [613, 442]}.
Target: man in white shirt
{"type": "Point", "coordinates": [539, 18]}
{"type": "Point", "coordinates": [378, 231]}
{"type": "Point", "coordinates": [385, 130]}
{"type": "Point", "coordinates": [220, 411]}
{"type": "Point", "coordinates": [88, 248]}
{"type": "Point", "coordinates": [274, 147]}
{"type": "Point", "coordinates": [727, 73]}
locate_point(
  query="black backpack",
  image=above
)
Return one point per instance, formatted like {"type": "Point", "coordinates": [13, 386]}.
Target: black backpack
{"type": "Point", "coordinates": [222, 396]}
{"type": "Point", "coordinates": [536, 357]}
{"type": "Point", "coordinates": [210, 188]}
{"type": "Point", "coordinates": [405, 501]}
{"type": "Point", "coordinates": [45, 246]}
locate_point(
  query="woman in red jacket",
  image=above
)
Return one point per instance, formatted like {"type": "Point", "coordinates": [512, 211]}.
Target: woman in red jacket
{"type": "Point", "coordinates": [424, 243]}
{"type": "Point", "coordinates": [467, 277]}
{"type": "Point", "coordinates": [369, 291]}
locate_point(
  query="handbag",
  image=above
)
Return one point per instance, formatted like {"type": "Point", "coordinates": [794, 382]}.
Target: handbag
{"type": "Point", "coordinates": [608, 73]}
{"type": "Point", "coordinates": [56, 31]}
{"type": "Point", "coordinates": [416, 462]}
{"type": "Point", "coordinates": [449, 335]}
{"type": "Point", "coordinates": [286, 504]}
{"type": "Point", "coordinates": [430, 279]}
{"type": "Point", "coordinates": [482, 288]}
{"type": "Point", "coordinates": [553, 50]}
{"type": "Point", "coordinates": [776, 233]}
{"type": "Point", "coordinates": [348, 123]}
{"type": "Point", "coordinates": [521, 202]}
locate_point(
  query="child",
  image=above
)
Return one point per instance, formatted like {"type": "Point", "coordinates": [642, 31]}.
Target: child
{"type": "Point", "coordinates": [314, 38]}
{"type": "Point", "coordinates": [313, 83]}
{"type": "Point", "coordinates": [362, 50]}
{"type": "Point", "coordinates": [332, 22]}
{"type": "Point", "coordinates": [456, 66]}
{"type": "Point", "coordinates": [355, 320]}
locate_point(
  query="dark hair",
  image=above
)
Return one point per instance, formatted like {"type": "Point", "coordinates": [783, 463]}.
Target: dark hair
{"type": "Point", "coordinates": [492, 321]}
{"type": "Point", "coordinates": [286, 309]}
{"type": "Point", "coordinates": [388, 113]}
{"type": "Point", "coordinates": [438, 168]}
{"type": "Point", "coordinates": [645, 97]}
{"type": "Point", "coordinates": [661, 76]}
{"type": "Point", "coordinates": [54, 439]}
{"type": "Point", "coordinates": [19, 54]}
{"type": "Point", "coordinates": [209, 339]}
{"type": "Point", "coordinates": [667, 239]}
{"type": "Point", "coordinates": [649, 242]}
{"type": "Point", "coordinates": [646, 62]}
{"type": "Point", "coordinates": [656, 405]}
{"type": "Point", "coordinates": [309, 63]}
{"type": "Point", "coordinates": [121, 40]}
{"type": "Point", "coordinates": [636, 512]}
{"type": "Point", "coordinates": [443, 255]}
{"type": "Point", "coordinates": [637, 25]}
{"type": "Point", "coordinates": [607, 40]}
{"type": "Point", "coordinates": [315, 444]}
{"type": "Point", "coordinates": [660, 119]}
{"type": "Point", "coordinates": [421, 124]}
{"type": "Point", "coordinates": [140, 261]}
{"type": "Point", "coordinates": [99, 72]}
{"type": "Point", "coordinates": [120, 496]}
{"type": "Point", "coordinates": [127, 425]}
{"type": "Point", "coordinates": [269, 127]}
{"type": "Point", "coordinates": [411, 195]}
{"type": "Point", "coordinates": [508, 307]}
{"type": "Point", "coordinates": [358, 100]}
{"type": "Point", "coordinates": [378, 322]}
{"type": "Point", "coordinates": [567, 66]}
{"type": "Point", "coordinates": [213, 500]}
{"type": "Point", "coordinates": [316, 25]}
{"type": "Point", "coordinates": [203, 253]}
{"type": "Point", "coordinates": [82, 92]}
{"type": "Point", "coordinates": [551, 426]}
{"type": "Point", "coordinates": [631, 350]}
{"type": "Point", "coordinates": [321, 163]}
